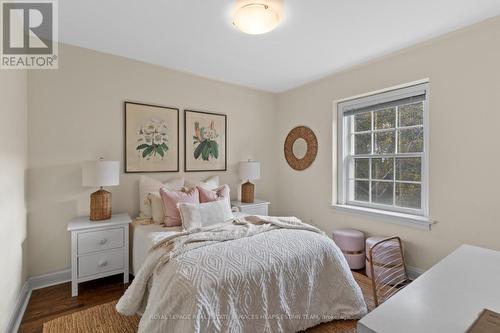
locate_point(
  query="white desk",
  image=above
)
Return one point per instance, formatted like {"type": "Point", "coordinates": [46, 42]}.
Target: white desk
{"type": "Point", "coordinates": [445, 299]}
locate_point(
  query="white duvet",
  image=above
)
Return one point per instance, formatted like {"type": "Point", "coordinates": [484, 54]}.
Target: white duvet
{"type": "Point", "coordinates": [256, 274]}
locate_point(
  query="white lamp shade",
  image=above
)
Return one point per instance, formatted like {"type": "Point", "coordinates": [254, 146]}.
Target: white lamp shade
{"type": "Point", "coordinates": [101, 173]}
{"type": "Point", "coordinates": [249, 170]}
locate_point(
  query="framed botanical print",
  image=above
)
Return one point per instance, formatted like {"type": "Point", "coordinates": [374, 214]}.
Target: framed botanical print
{"type": "Point", "coordinates": [205, 141]}
{"type": "Point", "coordinates": [151, 138]}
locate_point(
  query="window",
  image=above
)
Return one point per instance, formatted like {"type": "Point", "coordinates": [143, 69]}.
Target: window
{"type": "Point", "coordinates": [382, 151]}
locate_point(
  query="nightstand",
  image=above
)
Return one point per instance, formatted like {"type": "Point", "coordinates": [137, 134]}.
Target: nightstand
{"type": "Point", "coordinates": [98, 249]}
{"type": "Point", "coordinates": [258, 207]}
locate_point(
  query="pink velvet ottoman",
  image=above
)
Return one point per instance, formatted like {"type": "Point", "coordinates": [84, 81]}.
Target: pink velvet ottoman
{"type": "Point", "coordinates": [383, 266]}
{"type": "Point", "coordinates": [352, 244]}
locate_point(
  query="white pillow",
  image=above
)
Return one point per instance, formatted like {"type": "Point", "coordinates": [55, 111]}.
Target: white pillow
{"type": "Point", "coordinates": [210, 183]}
{"type": "Point", "coordinates": [150, 185]}
{"type": "Point", "coordinates": [205, 214]}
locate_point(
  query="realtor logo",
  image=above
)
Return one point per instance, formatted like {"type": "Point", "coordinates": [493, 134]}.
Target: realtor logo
{"type": "Point", "coordinates": [29, 35]}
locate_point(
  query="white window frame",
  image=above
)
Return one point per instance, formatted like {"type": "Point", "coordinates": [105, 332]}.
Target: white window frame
{"type": "Point", "coordinates": [419, 217]}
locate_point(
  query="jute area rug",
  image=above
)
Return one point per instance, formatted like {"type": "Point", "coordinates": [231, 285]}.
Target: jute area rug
{"type": "Point", "coordinates": [105, 319]}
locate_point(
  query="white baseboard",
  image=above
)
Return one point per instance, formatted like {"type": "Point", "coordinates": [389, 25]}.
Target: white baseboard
{"type": "Point", "coordinates": [414, 272]}
{"type": "Point", "coordinates": [33, 283]}
{"type": "Point", "coordinates": [19, 308]}
{"type": "Point", "coordinates": [50, 279]}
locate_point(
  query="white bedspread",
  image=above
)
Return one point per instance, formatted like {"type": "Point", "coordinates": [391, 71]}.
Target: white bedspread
{"type": "Point", "coordinates": [256, 274]}
{"type": "Point", "coordinates": [145, 236]}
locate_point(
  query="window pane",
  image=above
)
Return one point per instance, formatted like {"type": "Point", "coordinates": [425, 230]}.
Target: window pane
{"type": "Point", "coordinates": [408, 195]}
{"type": "Point", "coordinates": [362, 143]}
{"type": "Point", "coordinates": [411, 140]}
{"type": "Point", "coordinates": [384, 142]}
{"type": "Point", "coordinates": [411, 114]}
{"type": "Point", "coordinates": [361, 168]}
{"type": "Point", "coordinates": [409, 168]}
{"type": "Point", "coordinates": [382, 192]}
{"type": "Point", "coordinates": [383, 168]}
{"type": "Point", "coordinates": [363, 122]}
{"type": "Point", "coordinates": [361, 190]}
{"type": "Point", "coordinates": [385, 118]}
{"type": "Point", "coordinates": [383, 162]}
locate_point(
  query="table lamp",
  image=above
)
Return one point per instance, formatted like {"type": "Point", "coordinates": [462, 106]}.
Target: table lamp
{"type": "Point", "coordinates": [249, 170]}
{"type": "Point", "coordinates": [98, 174]}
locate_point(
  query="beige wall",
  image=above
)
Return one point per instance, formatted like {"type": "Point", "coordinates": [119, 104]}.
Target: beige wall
{"type": "Point", "coordinates": [76, 114]}
{"type": "Point", "coordinates": [13, 163]}
{"type": "Point", "coordinates": [464, 72]}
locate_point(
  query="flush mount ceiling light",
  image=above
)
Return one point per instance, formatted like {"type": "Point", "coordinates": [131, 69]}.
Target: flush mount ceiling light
{"type": "Point", "coordinates": [256, 18]}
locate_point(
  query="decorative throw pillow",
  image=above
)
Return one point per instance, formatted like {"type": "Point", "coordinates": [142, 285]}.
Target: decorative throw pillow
{"type": "Point", "coordinates": [213, 195]}
{"type": "Point", "coordinates": [156, 205]}
{"type": "Point", "coordinates": [209, 183]}
{"type": "Point", "coordinates": [150, 185]}
{"type": "Point", "coordinates": [170, 201]}
{"type": "Point", "coordinates": [205, 214]}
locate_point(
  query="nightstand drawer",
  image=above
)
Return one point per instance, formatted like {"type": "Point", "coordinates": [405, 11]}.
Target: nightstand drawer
{"type": "Point", "coordinates": [100, 240]}
{"type": "Point", "coordinates": [100, 263]}
{"type": "Point", "coordinates": [258, 207]}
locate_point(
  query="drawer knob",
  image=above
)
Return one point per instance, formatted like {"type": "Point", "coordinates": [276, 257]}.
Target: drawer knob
{"type": "Point", "coordinates": [103, 241]}
{"type": "Point", "coordinates": [102, 263]}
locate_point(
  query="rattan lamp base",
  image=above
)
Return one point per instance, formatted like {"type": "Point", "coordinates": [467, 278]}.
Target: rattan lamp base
{"type": "Point", "coordinates": [247, 192]}
{"type": "Point", "coordinates": [100, 205]}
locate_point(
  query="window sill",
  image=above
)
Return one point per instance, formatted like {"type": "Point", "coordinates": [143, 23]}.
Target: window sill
{"type": "Point", "coordinates": [420, 222]}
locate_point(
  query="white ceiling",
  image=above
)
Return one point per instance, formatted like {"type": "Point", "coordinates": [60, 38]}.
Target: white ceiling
{"type": "Point", "coordinates": [316, 37]}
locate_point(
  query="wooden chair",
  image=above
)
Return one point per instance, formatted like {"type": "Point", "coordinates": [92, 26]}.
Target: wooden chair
{"type": "Point", "coordinates": [387, 267]}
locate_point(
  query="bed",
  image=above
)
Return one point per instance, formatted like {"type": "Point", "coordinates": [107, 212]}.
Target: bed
{"type": "Point", "coordinates": [253, 274]}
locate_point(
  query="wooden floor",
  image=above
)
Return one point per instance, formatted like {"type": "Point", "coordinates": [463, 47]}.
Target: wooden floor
{"type": "Point", "coordinates": [51, 302]}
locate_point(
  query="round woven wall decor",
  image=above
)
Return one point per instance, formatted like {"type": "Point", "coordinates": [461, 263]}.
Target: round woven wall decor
{"type": "Point", "coordinates": [301, 132]}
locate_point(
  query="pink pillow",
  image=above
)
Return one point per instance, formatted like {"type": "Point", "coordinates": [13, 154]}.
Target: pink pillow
{"type": "Point", "coordinates": [213, 195]}
{"type": "Point", "coordinates": [170, 199]}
